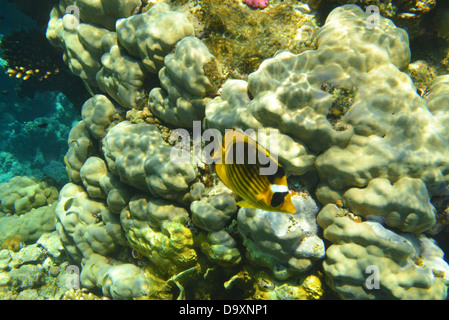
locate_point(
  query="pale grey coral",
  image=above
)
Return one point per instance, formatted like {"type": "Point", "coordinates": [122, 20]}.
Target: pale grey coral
{"type": "Point", "coordinates": [404, 204]}
{"type": "Point", "coordinates": [185, 83]}
{"type": "Point", "coordinates": [368, 261]}
{"type": "Point", "coordinates": [286, 244]}
{"type": "Point", "coordinates": [97, 113]}
{"type": "Point", "coordinates": [91, 173]}
{"type": "Point", "coordinates": [118, 194]}
{"type": "Point", "coordinates": [21, 194]}
{"type": "Point", "coordinates": [141, 158]}
{"type": "Point", "coordinates": [150, 36]}
{"type": "Point", "coordinates": [121, 76]}
{"type": "Point", "coordinates": [81, 45]}
{"type": "Point", "coordinates": [81, 147]}
{"type": "Point", "coordinates": [214, 212]}
{"type": "Point", "coordinates": [106, 13]}
{"type": "Point", "coordinates": [36, 222]}
{"type": "Point", "coordinates": [86, 226]}
{"type": "Point", "coordinates": [101, 184]}
{"type": "Point", "coordinates": [118, 280]}
{"type": "Point", "coordinates": [30, 226]}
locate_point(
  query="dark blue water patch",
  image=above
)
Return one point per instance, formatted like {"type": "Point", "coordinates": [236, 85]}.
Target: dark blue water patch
{"type": "Point", "coordinates": [13, 19]}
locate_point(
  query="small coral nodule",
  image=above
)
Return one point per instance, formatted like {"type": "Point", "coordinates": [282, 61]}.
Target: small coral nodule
{"type": "Point", "coordinates": [13, 243]}
{"type": "Point", "coordinates": [256, 3]}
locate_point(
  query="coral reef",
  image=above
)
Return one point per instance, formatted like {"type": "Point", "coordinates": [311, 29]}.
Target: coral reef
{"type": "Point", "coordinates": [409, 15]}
{"type": "Point", "coordinates": [187, 81]}
{"type": "Point", "coordinates": [353, 135]}
{"type": "Point", "coordinates": [21, 194]}
{"type": "Point", "coordinates": [286, 244]}
{"type": "Point", "coordinates": [357, 154]}
{"type": "Point", "coordinates": [241, 37]}
{"type": "Point", "coordinates": [406, 266]}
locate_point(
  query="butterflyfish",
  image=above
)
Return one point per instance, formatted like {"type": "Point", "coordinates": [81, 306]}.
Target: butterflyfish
{"type": "Point", "coordinates": [239, 165]}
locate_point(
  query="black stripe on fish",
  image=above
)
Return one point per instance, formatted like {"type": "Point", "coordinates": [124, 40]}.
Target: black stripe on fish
{"type": "Point", "coordinates": [280, 173]}
{"type": "Point", "coordinates": [259, 180]}
{"type": "Point", "coordinates": [239, 184]}
{"type": "Point", "coordinates": [243, 171]}
{"type": "Point", "coordinates": [247, 183]}
{"type": "Point", "coordinates": [278, 198]}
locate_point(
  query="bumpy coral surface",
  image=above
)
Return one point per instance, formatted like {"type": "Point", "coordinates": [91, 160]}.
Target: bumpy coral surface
{"type": "Point", "coordinates": [21, 194]}
{"type": "Point", "coordinates": [351, 129]}
{"type": "Point", "coordinates": [403, 266]}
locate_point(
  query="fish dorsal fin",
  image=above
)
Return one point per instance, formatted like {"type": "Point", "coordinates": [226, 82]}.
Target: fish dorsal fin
{"type": "Point", "coordinates": [250, 148]}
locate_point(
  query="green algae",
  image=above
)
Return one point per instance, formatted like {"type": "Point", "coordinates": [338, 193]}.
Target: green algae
{"type": "Point", "coordinates": [241, 37]}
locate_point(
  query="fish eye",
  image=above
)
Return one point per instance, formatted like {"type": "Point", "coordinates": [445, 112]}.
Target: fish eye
{"type": "Point", "coordinates": [278, 198]}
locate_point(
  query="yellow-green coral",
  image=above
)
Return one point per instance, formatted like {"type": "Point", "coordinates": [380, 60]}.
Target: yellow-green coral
{"type": "Point", "coordinates": [156, 229]}
{"type": "Point", "coordinates": [241, 38]}
{"type": "Point", "coordinates": [21, 194]}
{"type": "Point", "coordinates": [258, 285]}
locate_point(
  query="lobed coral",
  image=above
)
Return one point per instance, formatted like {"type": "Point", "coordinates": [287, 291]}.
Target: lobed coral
{"type": "Point", "coordinates": [187, 81]}
{"type": "Point", "coordinates": [13, 243]}
{"type": "Point", "coordinates": [286, 244]}
{"type": "Point", "coordinates": [410, 15]}
{"type": "Point", "coordinates": [142, 226]}
{"type": "Point", "coordinates": [404, 266]}
{"type": "Point", "coordinates": [21, 194]}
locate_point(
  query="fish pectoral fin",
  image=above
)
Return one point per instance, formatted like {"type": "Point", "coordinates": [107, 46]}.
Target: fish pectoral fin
{"type": "Point", "coordinates": [246, 204]}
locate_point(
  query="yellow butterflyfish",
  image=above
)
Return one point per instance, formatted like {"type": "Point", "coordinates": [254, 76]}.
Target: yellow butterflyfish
{"type": "Point", "coordinates": [238, 164]}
